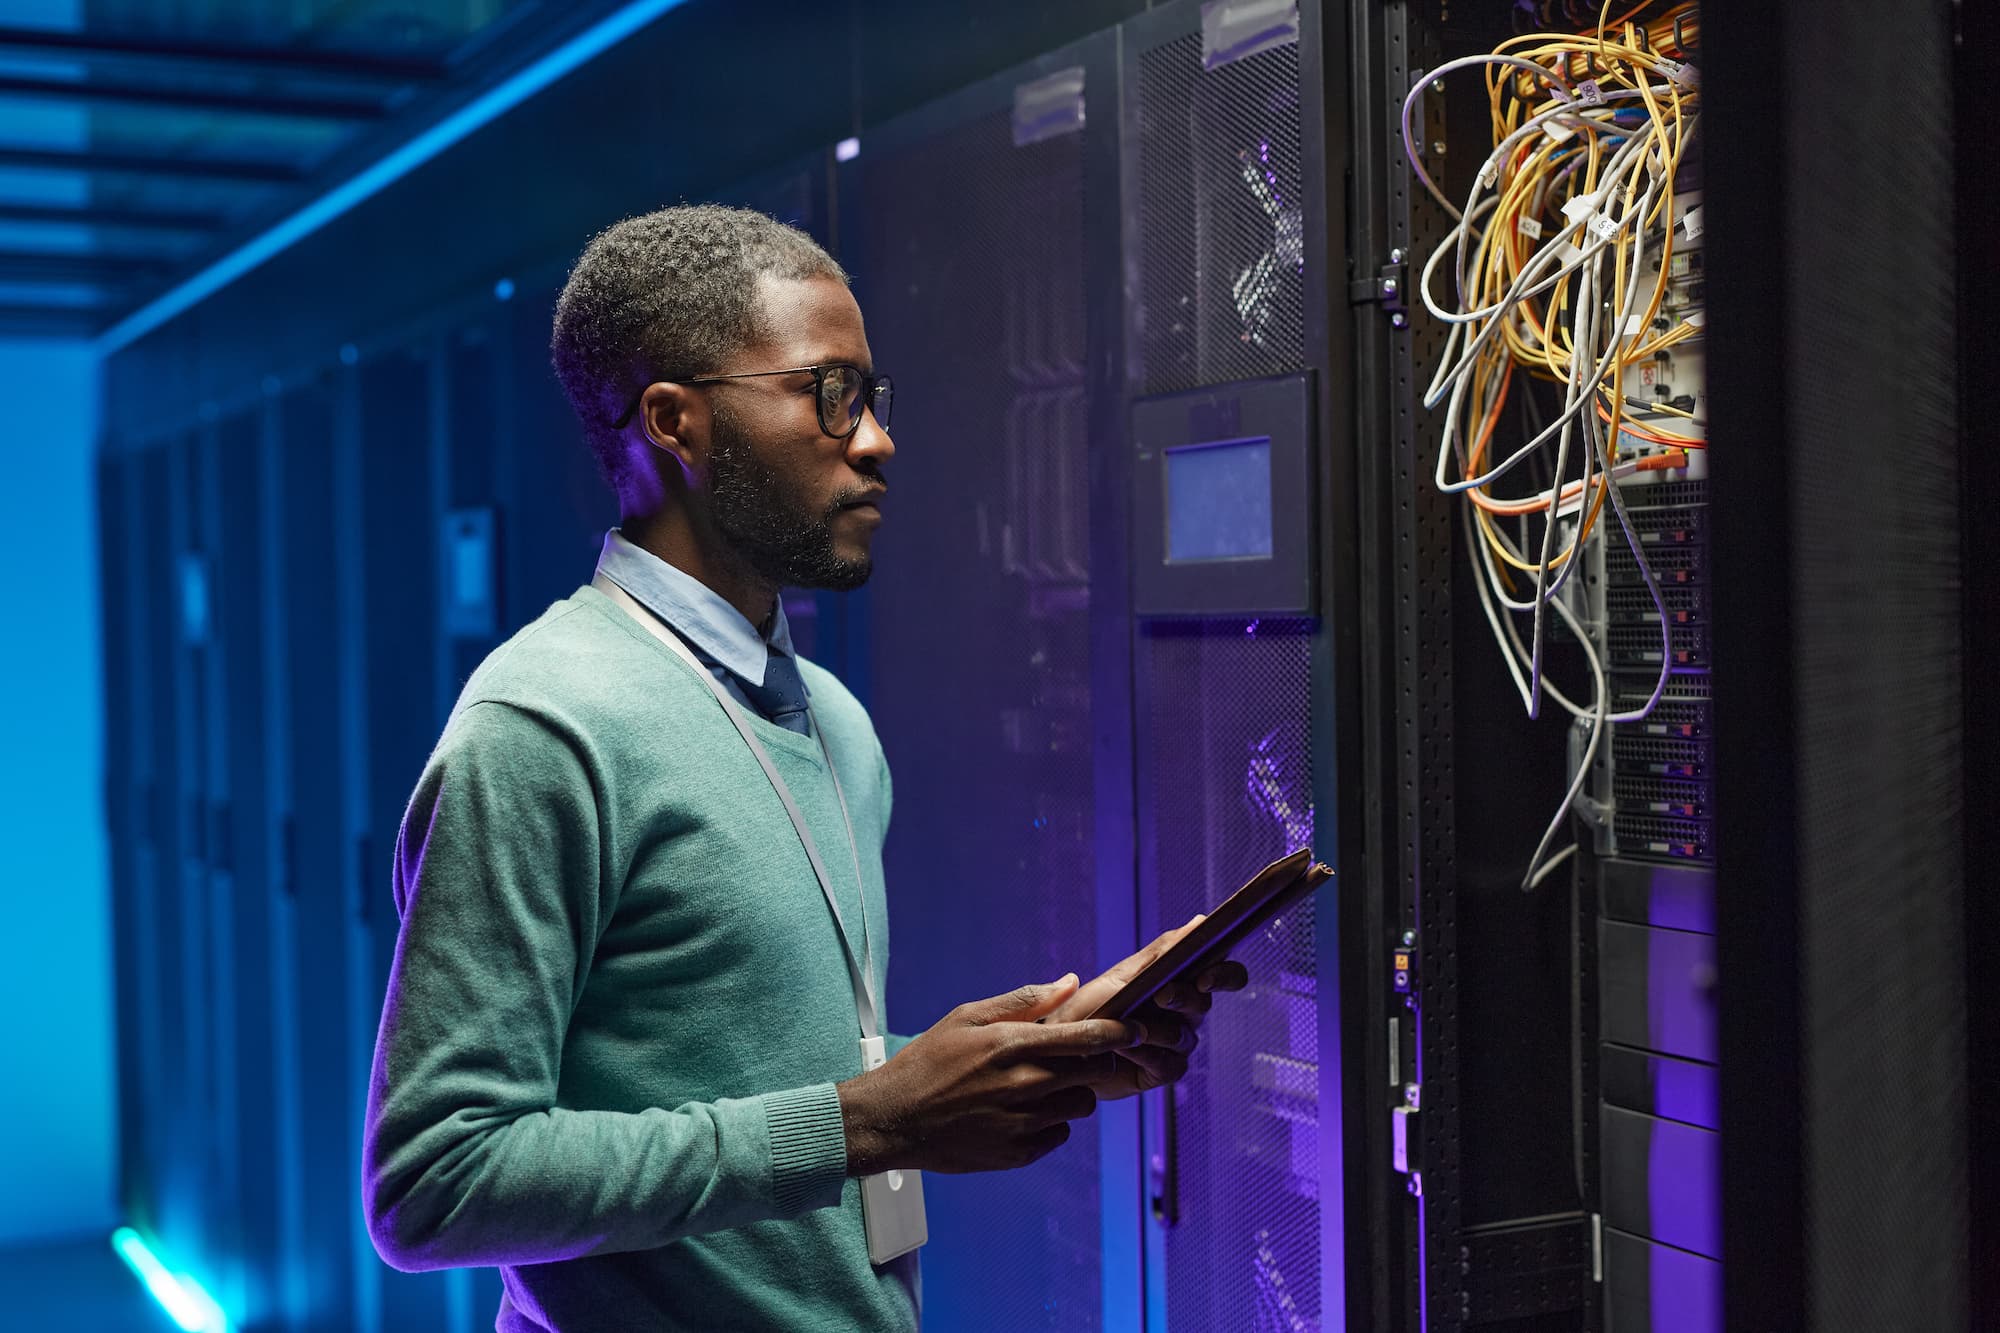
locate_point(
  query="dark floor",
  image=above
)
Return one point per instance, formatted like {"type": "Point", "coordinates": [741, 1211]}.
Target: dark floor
{"type": "Point", "coordinates": [77, 1285]}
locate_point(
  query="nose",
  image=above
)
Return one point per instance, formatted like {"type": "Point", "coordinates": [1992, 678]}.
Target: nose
{"type": "Point", "coordinates": [870, 441]}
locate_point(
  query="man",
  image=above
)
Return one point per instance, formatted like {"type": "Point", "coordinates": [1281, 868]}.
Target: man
{"type": "Point", "coordinates": [620, 1054]}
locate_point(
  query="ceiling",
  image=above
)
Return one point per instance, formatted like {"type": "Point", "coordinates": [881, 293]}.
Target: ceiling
{"type": "Point", "coordinates": [142, 139]}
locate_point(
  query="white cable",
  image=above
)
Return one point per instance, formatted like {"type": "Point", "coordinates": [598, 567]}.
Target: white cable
{"type": "Point", "coordinates": [1541, 72]}
{"type": "Point", "coordinates": [1607, 225]}
{"type": "Point", "coordinates": [1549, 866]}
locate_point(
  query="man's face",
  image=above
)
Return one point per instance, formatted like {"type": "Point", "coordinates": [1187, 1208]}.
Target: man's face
{"type": "Point", "coordinates": [794, 502]}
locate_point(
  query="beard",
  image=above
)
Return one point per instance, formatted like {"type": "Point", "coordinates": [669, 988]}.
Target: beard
{"type": "Point", "coordinates": [774, 528]}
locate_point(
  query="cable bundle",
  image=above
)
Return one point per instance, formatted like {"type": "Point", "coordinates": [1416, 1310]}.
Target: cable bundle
{"type": "Point", "coordinates": [1560, 264]}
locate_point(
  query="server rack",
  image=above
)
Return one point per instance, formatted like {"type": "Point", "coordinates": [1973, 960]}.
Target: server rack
{"type": "Point", "coordinates": [309, 938]}
{"type": "Point", "coordinates": [1191, 157]}
{"type": "Point", "coordinates": [1115, 156]}
{"type": "Point", "coordinates": [1598, 1208]}
{"type": "Point", "coordinates": [1231, 153]}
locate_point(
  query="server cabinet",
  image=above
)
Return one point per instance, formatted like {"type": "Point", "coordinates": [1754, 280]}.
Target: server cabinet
{"type": "Point", "coordinates": [1562, 1127]}
{"type": "Point", "coordinates": [246, 1108]}
{"type": "Point", "coordinates": [311, 937]}
{"type": "Point", "coordinates": [975, 231]}
{"type": "Point", "coordinates": [1230, 231]}
{"type": "Point", "coordinates": [1044, 261]}
{"type": "Point", "coordinates": [137, 606]}
{"type": "Point", "coordinates": [179, 625]}
{"type": "Point", "coordinates": [124, 802]}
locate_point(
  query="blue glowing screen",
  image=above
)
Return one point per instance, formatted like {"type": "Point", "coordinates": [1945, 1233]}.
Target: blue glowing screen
{"type": "Point", "coordinates": [1219, 501]}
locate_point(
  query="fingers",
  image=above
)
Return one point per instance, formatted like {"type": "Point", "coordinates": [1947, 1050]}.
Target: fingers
{"type": "Point", "coordinates": [1157, 1066]}
{"type": "Point", "coordinates": [1125, 969]}
{"type": "Point", "coordinates": [1166, 941]}
{"type": "Point", "coordinates": [1090, 1036]}
{"type": "Point", "coordinates": [1034, 1147]}
{"type": "Point", "coordinates": [1022, 1005]}
{"type": "Point", "coordinates": [1181, 997]}
{"type": "Point", "coordinates": [1071, 1103]}
{"type": "Point", "coordinates": [1168, 1032]}
{"type": "Point", "coordinates": [1227, 975]}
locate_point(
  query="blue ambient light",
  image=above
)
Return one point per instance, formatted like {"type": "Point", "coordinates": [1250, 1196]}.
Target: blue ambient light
{"type": "Point", "coordinates": [178, 1294]}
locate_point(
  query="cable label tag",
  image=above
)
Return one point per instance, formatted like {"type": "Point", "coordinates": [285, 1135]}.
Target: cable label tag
{"type": "Point", "coordinates": [1529, 228]}
{"type": "Point", "coordinates": [1589, 93]}
{"type": "Point", "coordinates": [1692, 223]}
{"type": "Point", "coordinates": [1602, 226]}
{"type": "Point", "coordinates": [1559, 131]}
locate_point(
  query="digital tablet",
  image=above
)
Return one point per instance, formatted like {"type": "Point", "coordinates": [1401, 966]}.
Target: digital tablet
{"type": "Point", "coordinates": [1273, 889]}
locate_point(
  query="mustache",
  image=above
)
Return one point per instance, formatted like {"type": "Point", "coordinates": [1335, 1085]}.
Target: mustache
{"type": "Point", "coordinates": [861, 495]}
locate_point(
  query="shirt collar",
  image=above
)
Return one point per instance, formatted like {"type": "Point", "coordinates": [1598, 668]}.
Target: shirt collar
{"type": "Point", "coordinates": [697, 612]}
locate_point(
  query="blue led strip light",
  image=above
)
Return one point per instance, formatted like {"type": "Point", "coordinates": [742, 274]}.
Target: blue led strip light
{"type": "Point", "coordinates": [178, 1294]}
{"type": "Point", "coordinates": [487, 107]}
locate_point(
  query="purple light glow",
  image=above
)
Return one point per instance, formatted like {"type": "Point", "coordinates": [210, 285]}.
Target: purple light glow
{"type": "Point", "coordinates": [1276, 783]}
{"type": "Point", "coordinates": [1684, 1291]}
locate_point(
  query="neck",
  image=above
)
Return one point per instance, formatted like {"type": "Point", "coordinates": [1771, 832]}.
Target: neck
{"type": "Point", "coordinates": [668, 533]}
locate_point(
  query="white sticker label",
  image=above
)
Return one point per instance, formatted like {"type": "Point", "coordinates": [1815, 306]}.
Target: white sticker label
{"type": "Point", "coordinates": [1687, 76]}
{"type": "Point", "coordinates": [1529, 228]}
{"type": "Point", "coordinates": [1696, 318]}
{"type": "Point", "coordinates": [1635, 325]}
{"type": "Point", "coordinates": [1691, 223]}
{"type": "Point", "coordinates": [1558, 131]}
{"type": "Point", "coordinates": [1579, 208]}
{"type": "Point", "coordinates": [1589, 93]}
{"type": "Point", "coordinates": [1603, 226]}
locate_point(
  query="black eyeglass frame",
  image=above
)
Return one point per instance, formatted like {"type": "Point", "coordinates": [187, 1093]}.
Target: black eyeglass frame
{"type": "Point", "coordinates": [871, 385]}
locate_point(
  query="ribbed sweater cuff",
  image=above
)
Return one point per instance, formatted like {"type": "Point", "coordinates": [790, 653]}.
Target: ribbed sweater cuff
{"type": "Point", "coordinates": [808, 1148]}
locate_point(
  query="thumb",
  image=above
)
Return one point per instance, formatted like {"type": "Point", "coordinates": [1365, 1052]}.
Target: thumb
{"type": "Point", "coordinates": [1022, 1005]}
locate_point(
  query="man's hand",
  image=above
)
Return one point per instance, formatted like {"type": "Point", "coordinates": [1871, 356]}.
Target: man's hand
{"type": "Point", "coordinates": [1171, 1019]}
{"type": "Point", "coordinates": [987, 1088]}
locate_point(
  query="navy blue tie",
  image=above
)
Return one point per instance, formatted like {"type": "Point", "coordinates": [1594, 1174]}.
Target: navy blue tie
{"type": "Point", "coordinates": [782, 696]}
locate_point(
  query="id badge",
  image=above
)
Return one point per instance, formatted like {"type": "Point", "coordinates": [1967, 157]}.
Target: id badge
{"type": "Point", "coordinates": [892, 1202]}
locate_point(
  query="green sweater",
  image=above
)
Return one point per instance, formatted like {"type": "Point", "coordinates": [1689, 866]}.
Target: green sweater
{"type": "Point", "coordinates": [619, 1006]}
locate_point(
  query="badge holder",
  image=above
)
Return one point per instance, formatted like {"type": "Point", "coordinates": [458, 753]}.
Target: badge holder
{"type": "Point", "coordinates": [892, 1202]}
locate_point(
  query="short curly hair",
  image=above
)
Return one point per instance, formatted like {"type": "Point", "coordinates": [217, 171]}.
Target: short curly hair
{"type": "Point", "coordinates": [672, 292]}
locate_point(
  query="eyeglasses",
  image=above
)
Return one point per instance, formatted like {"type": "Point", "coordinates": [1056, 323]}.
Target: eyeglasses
{"type": "Point", "coordinates": [840, 392]}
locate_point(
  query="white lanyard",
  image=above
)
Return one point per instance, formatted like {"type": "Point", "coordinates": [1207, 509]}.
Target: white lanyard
{"type": "Point", "coordinates": [861, 974]}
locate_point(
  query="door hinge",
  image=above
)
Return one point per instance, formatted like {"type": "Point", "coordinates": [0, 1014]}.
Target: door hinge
{"type": "Point", "coordinates": [1388, 288]}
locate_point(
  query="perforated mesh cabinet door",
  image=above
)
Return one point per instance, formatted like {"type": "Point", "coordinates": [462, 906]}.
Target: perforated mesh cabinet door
{"type": "Point", "coordinates": [1220, 190]}
{"type": "Point", "coordinates": [1227, 783]}
{"type": "Point", "coordinates": [968, 259]}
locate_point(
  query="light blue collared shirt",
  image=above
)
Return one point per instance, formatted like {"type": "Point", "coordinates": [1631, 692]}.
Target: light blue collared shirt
{"type": "Point", "coordinates": [727, 643]}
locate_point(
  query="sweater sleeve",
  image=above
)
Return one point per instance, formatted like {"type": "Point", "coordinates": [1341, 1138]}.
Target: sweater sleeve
{"type": "Point", "coordinates": [501, 883]}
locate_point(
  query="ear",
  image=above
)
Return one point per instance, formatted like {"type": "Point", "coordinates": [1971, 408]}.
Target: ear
{"type": "Point", "coordinates": [675, 421]}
